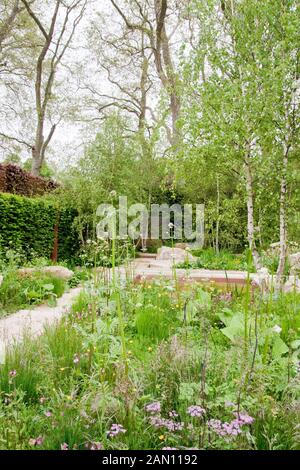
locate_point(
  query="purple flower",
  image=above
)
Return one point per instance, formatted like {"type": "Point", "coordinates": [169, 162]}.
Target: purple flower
{"type": "Point", "coordinates": [13, 373]}
{"type": "Point", "coordinates": [48, 414]}
{"type": "Point", "coordinates": [196, 411]}
{"type": "Point", "coordinates": [169, 424]}
{"type": "Point", "coordinates": [173, 414]}
{"type": "Point", "coordinates": [224, 429]}
{"type": "Point", "coordinates": [243, 418]}
{"type": "Point", "coordinates": [154, 407]}
{"type": "Point", "coordinates": [64, 446]}
{"type": "Point", "coordinates": [115, 430]}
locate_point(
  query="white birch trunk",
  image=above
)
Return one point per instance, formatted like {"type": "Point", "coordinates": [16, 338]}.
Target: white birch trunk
{"type": "Point", "coordinates": [282, 214]}
{"type": "Point", "coordinates": [250, 214]}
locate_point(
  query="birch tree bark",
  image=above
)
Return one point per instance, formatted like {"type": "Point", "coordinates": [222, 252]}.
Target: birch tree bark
{"type": "Point", "coordinates": [283, 217]}
{"type": "Point", "coordinates": [250, 213]}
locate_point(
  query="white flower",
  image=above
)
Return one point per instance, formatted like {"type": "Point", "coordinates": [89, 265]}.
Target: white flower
{"type": "Point", "coordinates": [171, 225]}
{"type": "Point", "coordinates": [276, 329]}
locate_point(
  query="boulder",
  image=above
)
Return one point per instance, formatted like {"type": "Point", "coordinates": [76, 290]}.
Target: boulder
{"type": "Point", "coordinates": [181, 245]}
{"type": "Point", "coordinates": [294, 261]}
{"type": "Point", "coordinates": [58, 271]}
{"type": "Point", "coordinates": [178, 255]}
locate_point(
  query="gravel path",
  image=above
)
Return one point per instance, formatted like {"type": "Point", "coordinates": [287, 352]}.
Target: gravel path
{"type": "Point", "coordinates": [13, 327]}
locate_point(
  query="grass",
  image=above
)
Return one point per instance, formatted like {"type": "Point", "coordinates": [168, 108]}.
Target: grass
{"type": "Point", "coordinates": [176, 350]}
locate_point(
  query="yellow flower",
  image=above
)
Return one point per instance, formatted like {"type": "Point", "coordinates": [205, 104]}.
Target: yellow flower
{"type": "Point", "coordinates": [62, 369]}
{"type": "Point", "coordinates": [162, 437]}
{"type": "Point", "coordinates": [131, 341]}
{"type": "Point", "coordinates": [149, 349]}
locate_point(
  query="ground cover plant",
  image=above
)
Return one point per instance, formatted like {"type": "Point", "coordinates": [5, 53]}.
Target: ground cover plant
{"type": "Point", "coordinates": [208, 258]}
{"type": "Point", "coordinates": [224, 259]}
{"type": "Point", "coordinates": [218, 370]}
{"type": "Point", "coordinates": [17, 291]}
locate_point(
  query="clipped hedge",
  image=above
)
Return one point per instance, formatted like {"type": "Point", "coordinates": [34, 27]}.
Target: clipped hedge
{"type": "Point", "coordinates": [27, 224]}
{"type": "Point", "coordinates": [15, 180]}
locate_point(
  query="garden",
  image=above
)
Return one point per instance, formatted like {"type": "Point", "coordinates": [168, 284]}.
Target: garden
{"type": "Point", "coordinates": [149, 341]}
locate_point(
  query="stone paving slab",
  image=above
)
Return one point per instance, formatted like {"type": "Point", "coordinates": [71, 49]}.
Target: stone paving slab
{"type": "Point", "coordinates": [33, 321]}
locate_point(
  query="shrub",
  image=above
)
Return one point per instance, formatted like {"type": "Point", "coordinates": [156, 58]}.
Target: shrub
{"type": "Point", "coordinates": [27, 224]}
{"type": "Point", "coordinates": [15, 180]}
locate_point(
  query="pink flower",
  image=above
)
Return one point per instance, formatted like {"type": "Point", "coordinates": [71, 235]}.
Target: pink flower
{"type": "Point", "coordinates": [234, 428]}
{"type": "Point", "coordinates": [243, 418]}
{"type": "Point", "coordinates": [154, 407]}
{"type": "Point", "coordinates": [13, 373]}
{"type": "Point", "coordinates": [48, 414]}
{"type": "Point", "coordinates": [36, 442]}
{"type": "Point", "coordinates": [196, 411]}
{"type": "Point", "coordinates": [169, 424]}
{"type": "Point", "coordinates": [115, 430]}
{"type": "Point", "coordinates": [64, 446]}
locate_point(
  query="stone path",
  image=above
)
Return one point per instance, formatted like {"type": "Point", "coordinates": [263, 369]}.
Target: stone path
{"type": "Point", "coordinates": [33, 321]}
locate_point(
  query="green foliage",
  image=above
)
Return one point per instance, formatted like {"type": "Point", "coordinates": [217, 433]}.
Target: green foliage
{"type": "Point", "coordinates": [99, 253]}
{"type": "Point", "coordinates": [154, 322]}
{"type": "Point", "coordinates": [238, 111]}
{"type": "Point", "coordinates": [225, 260]}
{"type": "Point", "coordinates": [27, 226]}
{"type": "Point", "coordinates": [19, 291]}
{"type": "Point", "coordinates": [71, 384]}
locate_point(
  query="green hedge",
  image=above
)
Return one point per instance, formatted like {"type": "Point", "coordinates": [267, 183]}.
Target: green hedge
{"type": "Point", "coordinates": [27, 224]}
